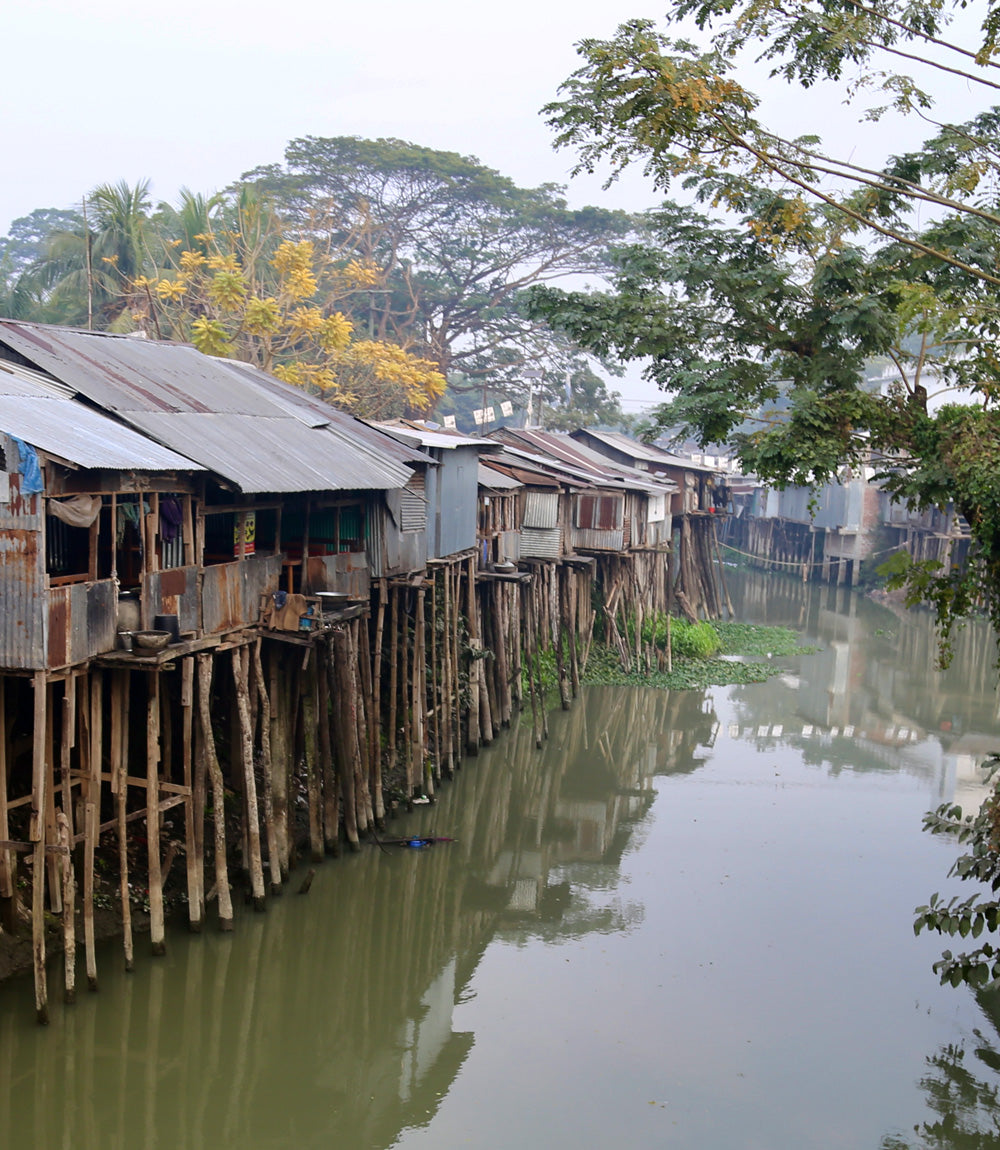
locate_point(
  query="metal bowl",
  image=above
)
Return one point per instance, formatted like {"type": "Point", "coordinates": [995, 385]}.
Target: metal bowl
{"type": "Point", "coordinates": [151, 640]}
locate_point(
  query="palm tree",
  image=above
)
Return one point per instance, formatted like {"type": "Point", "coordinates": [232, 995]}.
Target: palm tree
{"type": "Point", "coordinates": [85, 274]}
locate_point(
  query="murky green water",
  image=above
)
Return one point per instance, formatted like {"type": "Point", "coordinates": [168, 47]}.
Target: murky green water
{"type": "Point", "coordinates": [686, 922]}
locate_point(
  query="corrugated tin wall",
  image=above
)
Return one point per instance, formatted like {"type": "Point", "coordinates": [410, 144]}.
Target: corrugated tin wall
{"type": "Point", "coordinates": [23, 615]}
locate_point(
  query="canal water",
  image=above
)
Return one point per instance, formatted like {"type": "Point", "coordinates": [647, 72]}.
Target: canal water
{"type": "Point", "coordinates": [685, 922]}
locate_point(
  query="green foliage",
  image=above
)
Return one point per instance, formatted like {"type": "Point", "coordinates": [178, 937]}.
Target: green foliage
{"type": "Point", "coordinates": [979, 833]}
{"type": "Point", "coordinates": [687, 640]}
{"type": "Point", "coordinates": [744, 640]}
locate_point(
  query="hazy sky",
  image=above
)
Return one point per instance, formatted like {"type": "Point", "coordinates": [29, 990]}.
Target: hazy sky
{"type": "Point", "coordinates": [194, 92]}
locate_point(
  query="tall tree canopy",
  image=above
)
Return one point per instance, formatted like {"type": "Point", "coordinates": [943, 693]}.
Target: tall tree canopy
{"type": "Point", "coordinates": [761, 329]}
{"type": "Point", "coordinates": [455, 245]}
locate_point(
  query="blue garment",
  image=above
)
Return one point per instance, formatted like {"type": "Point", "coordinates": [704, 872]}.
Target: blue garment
{"type": "Point", "coordinates": [31, 473]}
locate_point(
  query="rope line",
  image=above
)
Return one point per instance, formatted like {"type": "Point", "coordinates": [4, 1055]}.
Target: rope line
{"type": "Point", "coordinates": [798, 563]}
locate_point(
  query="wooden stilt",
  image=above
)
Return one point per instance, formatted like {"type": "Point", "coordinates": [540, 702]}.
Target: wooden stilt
{"type": "Point", "coordinates": [192, 812]}
{"type": "Point", "coordinates": [284, 695]}
{"type": "Point", "coordinates": [66, 726]}
{"type": "Point", "coordinates": [266, 720]}
{"type": "Point", "coordinates": [365, 813]}
{"type": "Point", "coordinates": [37, 836]}
{"type": "Point", "coordinates": [91, 808]}
{"type": "Point", "coordinates": [241, 681]}
{"type": "Point", "coordinates": [157, 932]}
{"type": "Point", "coordinates": [338, 663]}
{"type": "Point", "coordinates": [218, 791]}
{"type": "Point", "coordinates": [331, 812]}
{"type": "Point", "coordinates": [310, 723]}
{"type": "Point", "coordinates": [8, 887]}
{"type": "Point", "coordinates": [120, 691]}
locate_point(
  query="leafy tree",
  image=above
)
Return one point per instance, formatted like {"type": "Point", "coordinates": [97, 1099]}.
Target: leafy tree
{"type": "Point", "coordinates": [761, 329]}
{"type": "Point", "coordinates": [455, 244]}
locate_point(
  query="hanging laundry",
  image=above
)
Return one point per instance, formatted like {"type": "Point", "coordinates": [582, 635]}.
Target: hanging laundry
{"type": "Point", "coordinates": [31, 472]}
{"type": "Point", "coordinates": [171, 517]}
{"type": "Point", "coordinates": [77, 510]}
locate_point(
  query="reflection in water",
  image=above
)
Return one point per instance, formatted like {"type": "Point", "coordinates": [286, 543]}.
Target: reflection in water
{"type": "Point", "coordinates": [333, 1019]}
{"type": "Point", "coordinates": [871, 691]}
{"type": "Point", "coordinates": [689, 913]}
{"type": "Point", "coordinates": [962, 1089]}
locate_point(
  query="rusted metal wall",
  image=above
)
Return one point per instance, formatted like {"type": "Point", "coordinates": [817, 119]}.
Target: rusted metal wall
{"type": "Point", "coordinates": [23, 617]}
{"type": "Point", "coordinates": [83, 622]}
{"type": "Point", "coordinates": [347, 572]}
{"type": "Point", "coordinates": [232, 592]}
{"type": "Point", "coordinates": [173, 592]}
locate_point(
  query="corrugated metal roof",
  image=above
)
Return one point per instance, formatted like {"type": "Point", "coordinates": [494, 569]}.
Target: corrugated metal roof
{"type": "Point", "coordinates": [495, 480]}
{"type": "Point", "coordinates": [599, 468]}
{"type": "Point", "coordinates": [247, 427]}
{"type": "Point", "coordinates": [44, 414]}
{"type": "Point", "coordinates": [413, 431]}
{"type": "Point", "coordinates": [647, 451]}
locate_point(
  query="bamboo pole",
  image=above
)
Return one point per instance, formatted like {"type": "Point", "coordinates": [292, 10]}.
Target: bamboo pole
{"type": "Point", "coordinates": [241, 681]}
{"type": "Point", "coordinates": [264, 710]}
{"type": "Point", "coordinates": [192, 811]}
{"type": "Point", "coordinates": [473, 735]}
{"type": "Point", "coordinates": [66, 827]}
{"type": "Point", "coordinates": [359, 661]}
{"type": "Point", "coordinates": [338, 663]}
{"type": "Point", "coordinates": [119, 786]}
{"type": "Point", "coordinates": [218, 790]}
{"type": "Point", "coordinates": [284, 694]}
{"type": "Point", "coordinates": [157, 932]}
{"type": "Point", "coordinates": [37, 836]}
{"type": "Point", "coordinates": [372, 757]}
{"type": "Point", "coordinates": [8, 887]}
{"type": "Point", "coordinates": [54, 880]}
{"type": "Point", "coordinates": [393, 674]}
{"type": "Point", "coordinates": [331, 813]}
{"type": "Point", "coordinates": [419, 695]}
{"type": "Point", "coordinates": [374, 689]}
{"type": "Point", "coordinates": [91, 784]}
{"type": "Point", "coordinates": [310, 722]}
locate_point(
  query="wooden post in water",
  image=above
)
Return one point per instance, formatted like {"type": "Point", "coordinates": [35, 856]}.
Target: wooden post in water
{"type": "Point", "coordinates": [66, 728]}
{"type": "Point", "coordinates": [284, 694]}
{"type": "Point", "coordinates": [331, 813]}
{"type": "Point", "coordinates": [241, 681]}
{"type": "Point", "coordinates": [37, 835]}
{"type": "Point", "coordinates": [393, 674]}
{"type": "Point", "coordinates": [157, 932]}
{"type": "Point", "coordinates": [192, 811]}
{"type": "Point", "coordinates": [359, 660]}
{"type": "Point", "coordinates": [337, 666]}
{"type": "Point", "coordinates": [91, 773]}
{"type": "Point", "coordinates": [8, 886]}
{"type": "Point", "coordinates": [473, 736]}
{"type": "Point", "coordinates": [120, 689]}
{"type": "Point", "coordinates": [374, 689]}
{"type": "Point", "coordinates": [218, 790]}
{"type": "Point", "coordinates": [266, 717]}
{"type": "Point", "coordinates": [310, 721]}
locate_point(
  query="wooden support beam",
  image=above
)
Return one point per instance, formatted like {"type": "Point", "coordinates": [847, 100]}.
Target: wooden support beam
{"type": "Point", "coordinates": [218, 791]}
{"type": "Point", "coordinates": [120, 688]}
{"type": "Point", "coordinates": [65, 821]}
{"type": "Point", "coordinates": [241, 679]}
{"type": "Point", "coordinates": [157, 931]}
{"type": "Point", "coordinates": [37, 835]}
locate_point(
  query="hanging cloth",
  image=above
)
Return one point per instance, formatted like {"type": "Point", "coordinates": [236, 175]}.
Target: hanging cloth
{"type": "Point", "coordinates": [77, 511]}
{"type": "Point", "coordinates": [31, 472]}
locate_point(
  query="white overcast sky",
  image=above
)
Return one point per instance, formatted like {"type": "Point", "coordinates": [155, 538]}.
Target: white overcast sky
{"type": "Point", "coordinates": [194, 92]}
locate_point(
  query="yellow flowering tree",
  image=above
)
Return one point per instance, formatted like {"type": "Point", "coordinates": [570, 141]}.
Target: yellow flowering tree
{"type": "Point", "coordinates": [247, 292]}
